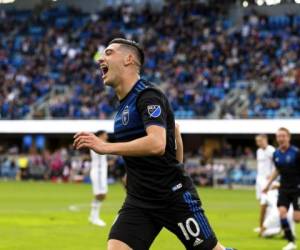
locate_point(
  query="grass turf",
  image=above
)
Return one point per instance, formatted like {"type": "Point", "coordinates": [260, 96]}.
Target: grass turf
{"type": "Point", "coordinates": [36, 216]}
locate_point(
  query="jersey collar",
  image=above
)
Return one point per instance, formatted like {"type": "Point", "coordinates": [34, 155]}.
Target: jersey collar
{"type": "Point", "coordinates": [131, 90]}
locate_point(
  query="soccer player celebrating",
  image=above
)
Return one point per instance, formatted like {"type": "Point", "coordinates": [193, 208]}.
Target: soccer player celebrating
{"type": "Point", "coordinates": [287, 163]}
{"type": "Point", "coordinates": [265, 166]}
{"type": "Point", "coordinates": [98, 176]}
{"type": "Point", "coordinates": [159, 194]}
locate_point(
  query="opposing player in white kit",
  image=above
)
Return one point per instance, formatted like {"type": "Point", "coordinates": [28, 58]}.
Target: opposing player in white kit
{"type": "Point", "coordinates": [98, 176]}
{"type": "Point", "coordinates": [265, 166]}
{"type": "Point", "coordinates": [271, 225]}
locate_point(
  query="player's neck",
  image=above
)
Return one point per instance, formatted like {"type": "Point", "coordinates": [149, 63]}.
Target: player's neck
{"type": "Point", "coordinates": [284, 148]}
{"type": "Point", "coordinates": [125, 85]}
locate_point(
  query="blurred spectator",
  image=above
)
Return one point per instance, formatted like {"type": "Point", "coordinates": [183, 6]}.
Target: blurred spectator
{"type": "Point", "coordinates": [8, 168]}
{"type": "Point", "coordinates": [226, 166]}
{"type": "Point", "coordinates": [37, 167]}
{"type": "Point", "coordinates": [23, 163]}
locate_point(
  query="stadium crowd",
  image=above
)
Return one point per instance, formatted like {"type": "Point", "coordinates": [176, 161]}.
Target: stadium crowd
{"type": "Point", "coordinates": [68, 165]}
{"type": "Point", "coordinates": [63, 164]}
{"type": "Point", "coordinates": [193, 52]}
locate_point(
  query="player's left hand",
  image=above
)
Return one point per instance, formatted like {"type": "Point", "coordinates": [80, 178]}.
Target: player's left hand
{"type": "Point", "coordinates": [88, 140]}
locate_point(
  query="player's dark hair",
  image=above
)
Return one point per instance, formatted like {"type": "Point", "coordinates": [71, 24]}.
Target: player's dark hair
{"type": "Point", "coordinates": [100, 132]}
{"type": "Point", "coordinates": [132, 44]}
{"type": "Point", "coordinates": [285, 130]}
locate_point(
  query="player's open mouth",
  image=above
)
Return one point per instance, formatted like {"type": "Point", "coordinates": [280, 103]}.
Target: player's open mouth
{"type": "Point", "coordinates": [104, 69]}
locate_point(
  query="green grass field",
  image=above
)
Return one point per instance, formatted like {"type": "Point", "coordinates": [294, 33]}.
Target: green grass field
{"type": "Point", "coordinates": [36, 216]}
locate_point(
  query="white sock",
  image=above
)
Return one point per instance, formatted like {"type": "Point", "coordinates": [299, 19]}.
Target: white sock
{"type": "Point", "coordinates": [95, 209]}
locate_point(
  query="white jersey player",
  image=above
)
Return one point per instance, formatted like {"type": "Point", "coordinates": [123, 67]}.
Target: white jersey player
{"type": "Point", "coordinates": [265, 166]}
{"type": "Point", "coordinates": [98, 176]}
{"type": "Point", "coordinates": [271, 225]}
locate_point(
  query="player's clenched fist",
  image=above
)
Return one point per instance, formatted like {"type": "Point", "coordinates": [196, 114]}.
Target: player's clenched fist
{"type": "Point", "coordinates": [88, 140]}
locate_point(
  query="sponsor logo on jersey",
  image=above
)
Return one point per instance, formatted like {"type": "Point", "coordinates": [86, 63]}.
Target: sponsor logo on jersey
{"type": "Point", "coordinates": [154, 110]}
{"type": "Point", "coordinates": [197, 242]}
{"type": "Point", "coordinates": [178, 186]}
{"type": "Point", "coordinates": [277, 159]}
{"type": "Point", "coordinates": [125, 116]}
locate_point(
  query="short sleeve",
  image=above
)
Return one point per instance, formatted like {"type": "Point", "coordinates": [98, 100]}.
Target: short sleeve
{"type": "Point", "coordinates": [274, 160]}
{"type": "Point", "coordinates": [271, 150]}
{"type": "Point", "coordinates": [151, 105]}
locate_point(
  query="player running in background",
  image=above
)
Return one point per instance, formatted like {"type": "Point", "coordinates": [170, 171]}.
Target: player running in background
{"type": "Point", "coordinates": [159, 194]}
{"type": "Point", "coordinates": [271, 225]}
{"type": "Point", "coordinates": [98, 176]}
{"type": "Point", "coordinates": [265, 166]}
{"type": "Point", "coordinates": [287, 163]}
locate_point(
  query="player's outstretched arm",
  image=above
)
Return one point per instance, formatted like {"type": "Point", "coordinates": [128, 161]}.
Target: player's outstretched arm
{"type": "Point", "coordinates": [274, 175]}
{"type": "Point", "coordinates": [154, 143]}
{"type": "Point", "coordinates": [179, 144]}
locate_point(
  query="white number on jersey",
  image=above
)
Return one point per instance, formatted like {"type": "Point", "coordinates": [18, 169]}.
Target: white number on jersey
{"type": "Point", "coordinates": [187, 229]}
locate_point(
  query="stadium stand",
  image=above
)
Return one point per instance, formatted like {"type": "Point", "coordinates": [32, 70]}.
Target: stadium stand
{"type": "Point", "coordinates": [229, 166]}
{"type": "Point", "coordinates": [208, 66]}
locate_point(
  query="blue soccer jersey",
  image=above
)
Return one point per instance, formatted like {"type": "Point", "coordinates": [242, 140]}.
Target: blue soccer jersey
{"type": "Point", "coordinates": [151, 180]}
{"type": "Point", "coordinates": [288, 165]}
